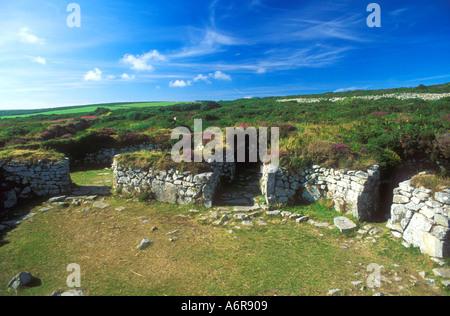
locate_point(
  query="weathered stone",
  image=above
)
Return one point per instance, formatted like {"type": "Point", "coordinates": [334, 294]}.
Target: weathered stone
{"type": "Point", "coordinates": [400, 199]}
{"type": "Point", "coordinates": [414, 232]}
{"type": "Point", "coordinates": [144, 244]}
{"type": "Point", "coordinates": [9, 199]}
{"type": "Point", "coordinates": [57, 199]}
{"type": "Point", "coordinates": [443, 198]}
{"type": "Point", "coordinates": [442, 272]}
{"type": "Point", "coordinates": [73, 293]}
{"type": "Point", "coordinates": [20, 281]}
{"type": "Point", "coordinates": [273, 213]}
{"type": "Point", "coordinates": [100, 204]}
{"type": "Point", "coordinates": [344, 224]}
{"type": "Point", "coordinates": [302, 219]}
{"type": "Point", "coordinates": [311, 194]}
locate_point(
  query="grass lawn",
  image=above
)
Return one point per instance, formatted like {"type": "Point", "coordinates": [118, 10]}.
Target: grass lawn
{"type": "Point", "coordinates": [92, 108]}
{"type": "Point", "coordinates": [279, 258]}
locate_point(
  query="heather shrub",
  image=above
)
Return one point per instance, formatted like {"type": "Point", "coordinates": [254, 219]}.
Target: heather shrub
{"type": "Point", "coordinates": [442, 146]}
{"type": "Point", "coordinates": [329, 154]}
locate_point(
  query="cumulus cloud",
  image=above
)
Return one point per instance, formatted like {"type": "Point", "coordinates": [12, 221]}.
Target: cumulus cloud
{"type": "Point", "coordinates": [202, 78]}
{"type": "Point", "coordinates": [180, 84]}
{"type": "Point", "coordinates": [218, 75]}
{"type": "Point", "coordinates": [126, 76]}
{"type": "Point", "coordinates": [93, 75]}
{"type": "Point", "coordinates": [143, 62]}
{"type": "Point", "coordinates": [39, 60]}
{"type": "Point", "coordinates": [26, 36]}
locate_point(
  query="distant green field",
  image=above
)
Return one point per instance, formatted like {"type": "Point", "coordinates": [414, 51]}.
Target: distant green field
{"type": "Point", "coordinates": [87, 109]}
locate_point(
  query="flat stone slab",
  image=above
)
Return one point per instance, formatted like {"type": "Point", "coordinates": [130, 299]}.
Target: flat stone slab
{"type": "Point", "coordinates": [344, 224]}
{"type": "Point", "coordinates": [442, 272]}
{"type": "Point", "coordinates": [57, 199]}
{"type": "Point", "coordinates": [100, 204]}
{"type": "Point", "coordinates": [244, 209]}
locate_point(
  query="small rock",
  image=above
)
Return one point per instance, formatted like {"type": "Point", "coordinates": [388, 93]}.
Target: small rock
{"type": "Point", "coordinates": [442, 272]}
{"type": "Point", "coordinates": [333, 292]}
{"type": "Point", "coordinates": [100, 204]}
{"type": "Point", "coordinates": [344, 224]}
{"type": "Point", "coordinates": [154, 228]}
{"type": "Point", "coordinates": [446, 284]}
{"type": "Point", "coordinates": [73, 293]}
{"type": "Point", "coordinates": [20, 281]}
{"type": "Point", "coordinates": [302, 219]}
{"type": "Point", "coordinates": [120, 209]}
{"type": "Point", "coordinates": [273, 213]}
{"type": "Point", "coordinates": [45, 209]}
{"type": "Point", "coordinates": [439, 262]}
{"type": "Point", "coordinates": [57, 199]}
{"type": "Point", "coordinates": [172, 233]}
{"type": "Point", "coordinates": [430, 282]}
{"type": "Point", "coordinates": [144, 244]}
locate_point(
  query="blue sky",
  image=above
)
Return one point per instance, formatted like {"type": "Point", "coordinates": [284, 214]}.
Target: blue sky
{"type": "Point", "coordinates": [214, 49]}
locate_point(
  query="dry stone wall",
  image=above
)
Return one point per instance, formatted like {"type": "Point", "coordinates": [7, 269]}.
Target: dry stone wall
{"type": "Point", "coordinates": [171, 186]}
{"type": "Point", "coordinates": [352, 191]}
{"type": "Point", "coordinates": [25, 180]}
{"type": "Point", "coordinates": [422, 219]}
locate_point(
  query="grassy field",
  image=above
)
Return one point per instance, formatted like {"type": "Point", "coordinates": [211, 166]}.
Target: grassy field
{"type": "Point", "coordinates": [279, 258]}
{"type": "Point", "coordinates": [91, 108]}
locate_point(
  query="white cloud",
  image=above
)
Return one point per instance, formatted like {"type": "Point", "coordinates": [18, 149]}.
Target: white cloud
{"type": "Point", "coordinates": [218, 75]}
{"type": "Point", "coordinates": [211, 42]}
{"type": "Point", "coordinates": [141, 62]}
{"type": "Point", "coordinates": [202, 78]}
{"type": "Point", "coordinates": [111, 77]}
{"type": "Point", "coordinates": [39, 60]}
{"type": "Point", "coordinates": [127, 76]}
{"type": "Point", "coordinates": [180, 84]}
{"type": "Point", "coordinates": [93, 75]}
{"type": "Point", "coordinates": [26, 37]}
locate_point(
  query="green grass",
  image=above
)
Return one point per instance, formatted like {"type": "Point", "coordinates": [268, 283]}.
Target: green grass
{"type": "Point", "coordinates": [32, 156]}
{"type": "Point", "coordinates": [281, 258]}
{"type": "Point", "coordinates": [91, 108]}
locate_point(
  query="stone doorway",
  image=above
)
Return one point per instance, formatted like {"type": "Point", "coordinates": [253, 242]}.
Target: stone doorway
{"type": "Point", "coordinates": [245, 187]}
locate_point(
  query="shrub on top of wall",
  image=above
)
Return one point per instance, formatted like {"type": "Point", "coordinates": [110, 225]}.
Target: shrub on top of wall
{"type": "Point", "coordinates": [329, 154]}
{"type": "Point", "coordinates": [79, 147]}
{"type": "Point", "coordinates": [32, 156]}
{"type": "Point", "coordinates": [161, 161]}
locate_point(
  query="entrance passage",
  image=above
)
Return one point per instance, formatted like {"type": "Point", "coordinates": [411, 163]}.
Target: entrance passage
{"type": "Point", "coordinates": [244, 188]}
{"type": "Point", "coordinates": [391, 179]}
